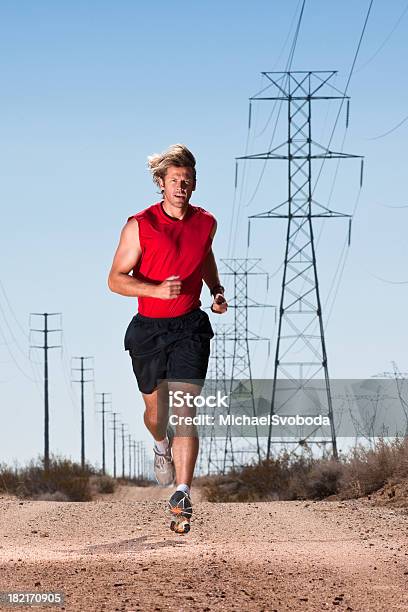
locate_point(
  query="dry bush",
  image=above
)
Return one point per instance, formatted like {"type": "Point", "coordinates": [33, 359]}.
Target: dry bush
{"type": "Point", "coordinates": [361, 472]}
{"type": "Point", "coordinates": [324, 479]}
{"type": "Point", "coordinates": [368, 469]}
{"type": "Point", "coordinates": [63, 476]}
{"type": "Point", "coordinates": [9, 479]}
{"type": "Point", "coordinates": [281, 477]}
{"type": "Point", "coordinates": [102, 484]}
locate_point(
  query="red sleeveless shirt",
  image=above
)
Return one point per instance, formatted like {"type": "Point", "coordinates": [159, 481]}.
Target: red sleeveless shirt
{"type": "Point", "coordinates": [173, 247]}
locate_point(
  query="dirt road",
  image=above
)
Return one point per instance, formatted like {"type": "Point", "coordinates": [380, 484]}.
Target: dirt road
{"type": "Point", "coordinates": [119, 554]}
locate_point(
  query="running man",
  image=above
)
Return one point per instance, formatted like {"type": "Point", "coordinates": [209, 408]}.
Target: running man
{"type": "Point", "coordinates": [164, 254]}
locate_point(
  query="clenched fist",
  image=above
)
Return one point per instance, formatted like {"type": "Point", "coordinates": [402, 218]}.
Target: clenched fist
{"type": "Point", "coordinates": [219, 304]}
{"type": "Point", "coordinates": [169, 288]}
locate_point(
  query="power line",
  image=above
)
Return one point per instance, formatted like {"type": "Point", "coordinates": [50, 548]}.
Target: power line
{"type": "Point", "coordinates": [16, 342]}
{"type": "Point", "coordinates": [389, 206]}
{"type": "Point", "coordinates": [338, 162]}
{"type": "Point", "coordinates": [391, 130]}
{"type": "Point", "coordinates": [336, 172]}
{"type": "Point", "coordinates": [25, 334]}
{"type": "Point", "coordinates": [234, 226]}
{"type": "Point", "coordinates": [345, 90]}
{"type": "Point", "coordinates": [389, 282]}
{"type": "Point", "coordinates": [291, 53]}
{"type": "Point", "coordinates": [387, 38]}
{"type": "Point", "coordinates": [65, 368]}
{"type": "Point", "coordinates": [287, 69]}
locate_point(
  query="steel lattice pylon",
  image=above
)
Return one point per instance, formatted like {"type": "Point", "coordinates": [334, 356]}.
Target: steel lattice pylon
{"type": "Point", "coordinates": [216, 443]}
{"type": "Point", "coordinates": [300, 308]}
{"type": "Point", "coordinates": [240, 269]}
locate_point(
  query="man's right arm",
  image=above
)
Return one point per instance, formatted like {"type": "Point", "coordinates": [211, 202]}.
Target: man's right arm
{"type": "Point", "coordinates": [126, 258]}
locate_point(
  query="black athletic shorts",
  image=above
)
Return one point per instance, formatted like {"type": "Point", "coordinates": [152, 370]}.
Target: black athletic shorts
{"type": "Point", "coordinates": [174, 347]}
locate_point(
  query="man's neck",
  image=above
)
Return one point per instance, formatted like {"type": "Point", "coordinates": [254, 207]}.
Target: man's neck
{"type": "Point", "coordinates": [172, 211]}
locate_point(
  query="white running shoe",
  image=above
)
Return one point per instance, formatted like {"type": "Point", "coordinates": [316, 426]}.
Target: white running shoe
{"type": "Point", "coordinates": [163, 466]}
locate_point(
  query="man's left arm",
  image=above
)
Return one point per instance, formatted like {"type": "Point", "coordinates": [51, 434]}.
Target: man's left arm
{"type": "Point", "coordinates": [212, 280]}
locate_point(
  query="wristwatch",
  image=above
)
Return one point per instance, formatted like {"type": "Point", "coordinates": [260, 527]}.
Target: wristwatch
{"type": "Point", "coordinates": [217, 289]}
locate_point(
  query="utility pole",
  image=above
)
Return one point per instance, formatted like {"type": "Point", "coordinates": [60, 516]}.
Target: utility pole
{"type": "Point", "coordinates": [103, 402]}
{"type": "Point", "coordinates": [130, 455]}
{"type": "Point", "coordinates": [137, 460]}
{"type": "Point", "coordinates": [142, 458]}
{"type": "Point", "coordinates": [46, 348]}
{"type": "Point", "coordinates": [134, 458]}
{"type": "Point", "coordinates": [298, 346]}
{"type": "Point", "coordinates": [82, 382]}
{"type": "Point", "coordinates": [123, 425]}
{"type": "Point", "coordinates": [114, 415]}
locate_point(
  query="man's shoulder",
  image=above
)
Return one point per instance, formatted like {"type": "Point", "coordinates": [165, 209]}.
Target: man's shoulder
{"type": "Point", "coordinates": [202, 212]}
{"type": "Point", "coordinates": [146, 213]}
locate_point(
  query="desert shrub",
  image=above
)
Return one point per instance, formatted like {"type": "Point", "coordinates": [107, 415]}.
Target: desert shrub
{"type": "Point", "coordinates": [369, 469]}
{"type": "Point", "coordinates": [102, 484]}
{"type": "Point", "coordinates": [63, 476]}
{"type": "Point", "coordinates": [282, 477]}
{"type": "Point", "coordinates": [287, 477]}
{"type": "Point", "coordinates": [9, 479]}
{"type": "Point", "coordinates": [324, 478]}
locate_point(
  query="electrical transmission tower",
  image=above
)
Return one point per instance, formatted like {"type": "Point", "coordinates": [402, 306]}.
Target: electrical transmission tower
{"type": "Point", "coordinates": [82, 382]}
{"type": "Point", "coordinates": [46, 348]}
{"type": "Point", "coordinates": [240, 269]}
{"type": "Point", "coordinates": [300, 310]}
{"type": "Point", "coordinates": [401, 379]}
{"type": "Point", "coordinates": [220, 375]}
{"type": "Point", "coordinates": [205, 430]}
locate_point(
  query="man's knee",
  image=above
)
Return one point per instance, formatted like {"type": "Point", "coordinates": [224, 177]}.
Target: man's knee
{"type": "Point", "coordinates": [155, 413]}
{"type": "Point", "coordinates": [151, 416]}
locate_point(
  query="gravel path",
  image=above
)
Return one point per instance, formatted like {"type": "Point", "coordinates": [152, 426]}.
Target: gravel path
{"type": "Point", "coordinates": [119, 554]}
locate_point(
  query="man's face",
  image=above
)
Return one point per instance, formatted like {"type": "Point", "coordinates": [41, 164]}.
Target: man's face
{"type": "Point", "coordinates": [178, 185]}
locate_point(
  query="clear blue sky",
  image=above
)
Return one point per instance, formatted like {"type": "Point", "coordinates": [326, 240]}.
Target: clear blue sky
{"type": "Point", "coordinates": [89, 89]}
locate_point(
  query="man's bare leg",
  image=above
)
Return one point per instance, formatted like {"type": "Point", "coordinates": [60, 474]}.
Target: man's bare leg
{"type": "Point", "coordinates": [185, 451]}
{"type": "Point", "coordinates": [155, 416]}
{"type": "Point", "coordinates": [185, 444]}
{"type": "Point", "coordinates": [185, 447]}
{"type": "Point", "coordinates": [156, 420]}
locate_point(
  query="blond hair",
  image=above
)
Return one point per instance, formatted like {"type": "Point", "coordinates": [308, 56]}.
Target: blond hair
{"type": "Point", "coordinates": [176, 155]}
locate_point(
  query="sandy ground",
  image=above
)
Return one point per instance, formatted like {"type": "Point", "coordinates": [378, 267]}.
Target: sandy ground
{"type": "Point", "coordinates": [119, 554]}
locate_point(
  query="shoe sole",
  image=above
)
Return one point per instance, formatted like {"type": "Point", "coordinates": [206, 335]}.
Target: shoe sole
{"type": "Point", "coordinates": [180, 522]}
{"type": "Point", "coordinates": [180, 526]}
